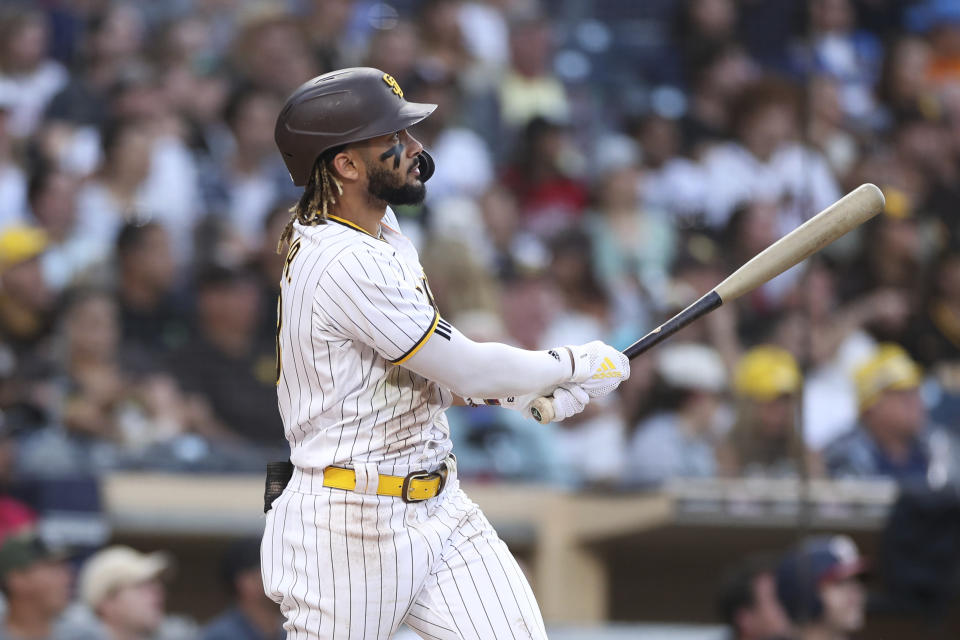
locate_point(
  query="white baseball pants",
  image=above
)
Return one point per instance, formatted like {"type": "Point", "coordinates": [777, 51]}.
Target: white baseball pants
{"type": "Point", "coordinates": [348, 565]}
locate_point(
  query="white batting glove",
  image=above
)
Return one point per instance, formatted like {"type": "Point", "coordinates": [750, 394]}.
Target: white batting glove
{"type": "Point", "coordinates": [598, 367]}
{"type": "Point", "coordinates": [568, 400]}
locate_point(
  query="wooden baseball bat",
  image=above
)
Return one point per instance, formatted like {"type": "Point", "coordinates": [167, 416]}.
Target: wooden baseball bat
{"type": "Point", "coordinates": [845, 214]}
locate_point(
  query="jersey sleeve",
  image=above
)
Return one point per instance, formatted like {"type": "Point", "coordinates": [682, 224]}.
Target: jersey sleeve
{"type": "Point", "coordinates": [369, 297]}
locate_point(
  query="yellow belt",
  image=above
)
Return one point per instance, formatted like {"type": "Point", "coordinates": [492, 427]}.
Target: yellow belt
{"type": "Point", "coordinates": [415, 487]}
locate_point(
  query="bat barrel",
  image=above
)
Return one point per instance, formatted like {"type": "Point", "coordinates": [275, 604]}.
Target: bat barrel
{"type": "Point", "coordinates": [845, 214]}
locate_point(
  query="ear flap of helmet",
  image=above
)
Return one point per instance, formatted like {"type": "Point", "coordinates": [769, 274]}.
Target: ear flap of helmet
{"type": "Point", "coordinates": [427, 165]}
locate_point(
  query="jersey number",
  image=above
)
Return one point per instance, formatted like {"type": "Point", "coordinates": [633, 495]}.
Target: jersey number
{"type": "Point", "coordinates": [294, 249]}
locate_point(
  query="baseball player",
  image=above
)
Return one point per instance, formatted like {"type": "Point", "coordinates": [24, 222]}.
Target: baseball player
{"type": "Point", "coordinates": [372, 529]}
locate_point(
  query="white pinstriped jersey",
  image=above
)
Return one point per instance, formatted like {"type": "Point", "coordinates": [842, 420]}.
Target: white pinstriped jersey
{"type": "Point", "coordinates": [352, 307]}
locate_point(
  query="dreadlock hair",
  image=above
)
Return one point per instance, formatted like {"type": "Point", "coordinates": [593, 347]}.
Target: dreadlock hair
{"type": "Point", "coordinates": [318, 196]}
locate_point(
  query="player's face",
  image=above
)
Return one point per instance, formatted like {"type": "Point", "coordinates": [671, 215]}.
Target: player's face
{"type": "Point", "coordinates": [393, 173]}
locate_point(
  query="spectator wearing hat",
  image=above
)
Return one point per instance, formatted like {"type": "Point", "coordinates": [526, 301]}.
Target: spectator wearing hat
{"type": "Point", "coordinates": [747, 602]}
{"type": "Point", "coordinates": [25, 300]}
{"type": "Point", "coordinates": [253, 615]}
{"type": "Point", "coordinates": [678, 440]}
{"type": "Point", "coordinates": [818, 585]}
{"type": "Point", "coordinates": [35, 581]}
{"type": "Point", "coordinates": [894, 436]}
{"type": "Point", "coordinates": [764, 439]}
{"type": "Point", "coordinates": [124, 590]}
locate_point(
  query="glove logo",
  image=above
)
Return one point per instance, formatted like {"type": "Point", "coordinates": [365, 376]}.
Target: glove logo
{"type": "Point", "coordinates": [607, 370]}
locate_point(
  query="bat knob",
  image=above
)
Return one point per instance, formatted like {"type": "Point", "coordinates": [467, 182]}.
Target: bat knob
{"type": "Point", "coordinates": [542, 410]}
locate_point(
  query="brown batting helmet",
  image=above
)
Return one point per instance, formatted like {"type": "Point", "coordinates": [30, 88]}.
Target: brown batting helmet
{"type": "Point", "coordinates": [340, 107]}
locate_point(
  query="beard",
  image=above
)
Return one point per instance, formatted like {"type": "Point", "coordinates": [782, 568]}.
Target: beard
{"type": "Point", "coordinates": [390, 188]}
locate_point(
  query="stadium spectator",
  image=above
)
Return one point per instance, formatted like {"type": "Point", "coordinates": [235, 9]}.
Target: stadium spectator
{"type": "Point", "coordinates": [844, 52]}
{"type": "Point", "coordinates": [124, 589]}
{"type": "Point", "coordinates": [894, 437]}
{"type": "Point", "coordinates": [36, 583]}
{"type": "Point", "coordinates": [818, 586]}
{"type": "Point", "coordinates": [702, 25]}
{"type": "Point", "coordinates": [271, 51]}
{"type": "Point", "coordinates": [717, 77]}
{"type": "Point", "coordinates": [633, 245]}
{"type": "Point", "coordinates": [940, 20]}
{"type": "Point", "coordinates": [679, 436]}
{"type": "Point", "coordinates": [670, 181]}
{"type": "Point", "coordinates": [832, 341]}
{"type": "Point", "coordinates": [529, 89]}
{"type": "Point", "coordinates": [582, 310]}
{"type": "Point", "coordinates": [904, 85]}
{"type": "Point", "coordinates": [452, 145]}
{"type": "Point", "coordinates": [115, 405]}
{"type": "Point", "coordinates": [26, 73]}
{"type": "Point", "coordinates": [461, 286]}
{"type": "Point", "coordinates": [766, 162]}
{"type": "Point", "coordinates": [252, 616]}
{"type": "Point", "coordinates": [764, 439]}
{"type": "Point", "coordinates": [826, 128]}
{"type": "Point", "coordinates": [14, 514]}
{"type": "Point", "coordinates": [151, 317]}
{"type": "Point", "coordinates": [890, 261]}
{"type": "Point", "coordinates": [116, 195]}
{"type": "Point", "coordinates": [95, 386]}
{"type": "Point", "coordinates": [514, 253]}
{"type": "Point", "coordinates": [227, 362]}
{"type": "Point", "coordinates": [328, 25]}
{"type": "Point", "coordinates": [112, 41]}
{"type": "Point", "coordinates": [71, 251]}
{"type": "Point", "coordinates": [26, 302]}
{"type": "Point", "coordinates": [252, 178]}
{"type": "Point", "coordinates": [442, 42]}
{"type": "Point", "coordinates": [748, 603]}
{"type": "Point", "coordinates": [543, 177]}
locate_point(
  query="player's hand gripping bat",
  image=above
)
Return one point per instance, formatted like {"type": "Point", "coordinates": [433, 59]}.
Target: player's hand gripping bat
{"type": "Point", "coordinates": [848, 212]}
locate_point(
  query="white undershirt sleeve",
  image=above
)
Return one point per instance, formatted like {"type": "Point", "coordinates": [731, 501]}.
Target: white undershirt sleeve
{"type": "Point", "coordinates": [488, 369]}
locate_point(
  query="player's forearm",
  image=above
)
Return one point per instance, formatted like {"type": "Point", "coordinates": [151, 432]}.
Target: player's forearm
{"type": "Point", "coordinates": [489, 369]}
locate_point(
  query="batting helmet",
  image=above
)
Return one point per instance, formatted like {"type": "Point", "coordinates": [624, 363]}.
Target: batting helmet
{"type": "Point", "coordinates": [340, 107]}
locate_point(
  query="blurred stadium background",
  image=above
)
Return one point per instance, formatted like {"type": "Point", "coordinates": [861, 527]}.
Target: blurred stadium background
{"type": "Point", "coordinates": [600, 164]}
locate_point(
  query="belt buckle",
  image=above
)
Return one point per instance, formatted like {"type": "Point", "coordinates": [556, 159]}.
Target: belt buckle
{"type": "Point", "coordinates": [416, 475]}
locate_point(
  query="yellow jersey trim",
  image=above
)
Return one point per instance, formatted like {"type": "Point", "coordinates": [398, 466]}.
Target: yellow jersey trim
{"type": "Point", "coordinates": [422, 341]}
{"type": "Point", "coordinates": [352, 225]}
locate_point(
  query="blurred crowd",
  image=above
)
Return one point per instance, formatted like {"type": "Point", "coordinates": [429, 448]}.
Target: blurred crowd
{"type": "Point", "coordinates": [120, 594]}
{"type": "Point", "coordinates": [815, 590]}
{"type": "Point", "coordinates": [599, 167]}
